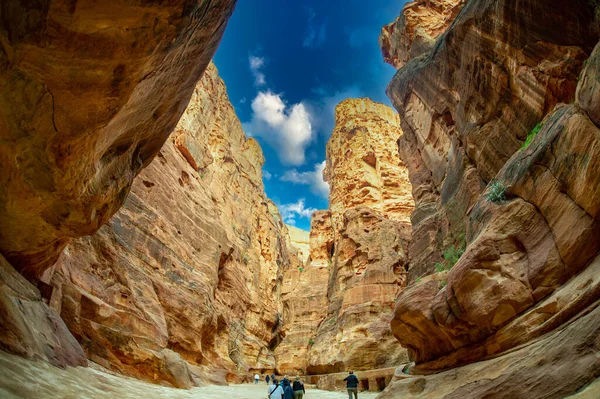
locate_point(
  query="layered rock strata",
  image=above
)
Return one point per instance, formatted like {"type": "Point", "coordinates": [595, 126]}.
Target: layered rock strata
{"type": "Point", "coordinates": [182, 285]}
{"type": "Point", "coordinates": [357, 251]}
{"type": "Point", "coordinates": [89, 92]}
{"type": "Point", "coordinates": [525, 212]}
{"type": "Point", "coordinates": [414, 32]}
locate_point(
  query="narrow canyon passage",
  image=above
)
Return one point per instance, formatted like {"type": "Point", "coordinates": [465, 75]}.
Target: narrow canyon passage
{"type": "Point", "coordinates": [26, 379]}
{"type": "Point", "coordinates": [195, 191]}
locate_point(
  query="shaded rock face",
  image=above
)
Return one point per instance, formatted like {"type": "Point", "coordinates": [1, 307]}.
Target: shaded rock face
{"type": "Point", "coordinates": [182, 285]}
{"type": "Point", "coordinates": [415, 30]}
{"type": "Point", "coordinates": [526, 215]}
{"type": "Point", "coordinates": [29, 327]}
{"type": "Point", "coordinates": [304, 298]}
{"type": "Point", "coordinates": [89, 92]}
{"type": "Point", "coordinates": [339, 307]}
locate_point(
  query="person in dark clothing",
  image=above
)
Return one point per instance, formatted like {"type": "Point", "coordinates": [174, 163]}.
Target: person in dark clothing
{"type": "Point", "coordinates": [298, 388]}
{"type": "Point", "coordinates": [288, 392]}
{"type": "Point", "coordinates": [352, 385]}
{"type": "Point", "coordinates": [267, 378]}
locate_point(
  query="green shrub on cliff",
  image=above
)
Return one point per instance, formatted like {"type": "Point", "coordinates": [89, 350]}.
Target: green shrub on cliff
{"type": "Point", "coordinates": [532, 135]}
{"type": "Point", "coordinates": [497, 192]}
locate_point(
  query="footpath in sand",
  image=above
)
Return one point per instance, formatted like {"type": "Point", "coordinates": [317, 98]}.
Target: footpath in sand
{"type": "Point", "coordinates": [25, 379]}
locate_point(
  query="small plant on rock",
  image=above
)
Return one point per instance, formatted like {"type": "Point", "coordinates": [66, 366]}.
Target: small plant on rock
{"type": "Point", "coordinates": [311, 341]}
{"type": "Point", "coordinates": [417, 280]}
{"type": "Point", "coordinates": [300, 269]}
{"type": "Point", "coordinates": [532, 135]}
{"type": "Point", "coordinates": [245, 258]}
{"type": "Point", "coordinates": [497, 192]}
{"type": "Point", "coordinates": [442, 284]}
{"type": "Point", "coordinates": [439, 267]}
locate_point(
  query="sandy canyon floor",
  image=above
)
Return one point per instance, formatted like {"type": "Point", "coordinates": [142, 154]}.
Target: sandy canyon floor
{"type": "Point", "coordinates": [24, 379]}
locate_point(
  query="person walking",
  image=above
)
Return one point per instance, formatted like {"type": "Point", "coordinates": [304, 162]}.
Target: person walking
{"type": "Point", "coordinates": [298, 388]}
{"type": "Point", "coordinates": [288, 392]}
{"type": "Point", "coordinates": [256, 378]}
{"type": "Point", "coordinates": [267, 378]}
{"type": "Point", "coordinates": [352, 385]}
{"type": "Point", "coordinates": [275, 391]}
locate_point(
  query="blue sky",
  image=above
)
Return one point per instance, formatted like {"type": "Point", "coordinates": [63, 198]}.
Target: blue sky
{"type": "Point", "coordinates": [286, 65]}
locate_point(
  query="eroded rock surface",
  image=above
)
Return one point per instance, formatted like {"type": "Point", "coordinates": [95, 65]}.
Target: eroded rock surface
{"type": "Point", "coordinates": [415, 30]}
{"type": "Point", "coordinates": [182, 285]}
{"type": "Point", "coordinates": [357, 262]}
{"type": "Point", "coordinates": [524, 213]}
{"type": "Point", "coordinates": [89, 92]}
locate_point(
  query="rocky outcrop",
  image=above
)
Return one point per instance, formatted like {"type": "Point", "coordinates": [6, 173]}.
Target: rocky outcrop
{"type": "Point", "coordinates": [182, 285]}
{"type": "Point", "coordinates": [338, 308]}
{"type": "Point", "coordinates": [414, 32]}
{"type": "Point", "coordinates": [363, 168]}
{"type": "Point", "coordinates": [29, 327]}
{"type": "Point", "coordinates": [522, 209]}
{"type": "Point", "coordinates": [89, 92]}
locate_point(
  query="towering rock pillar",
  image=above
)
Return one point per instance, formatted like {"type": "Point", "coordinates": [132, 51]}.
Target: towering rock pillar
{"type": "Point", "coordinates": [358, 246]}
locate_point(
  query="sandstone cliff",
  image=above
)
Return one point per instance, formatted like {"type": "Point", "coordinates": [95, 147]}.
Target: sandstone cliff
{"type": "Point", "coordinates": [89, 92]}
{"type": "Point", "coordinates": [415, 30]}
{"type": "Point", "coordinates": [182, 284]}
{"type": "Point", "coordinates": [509, 222]}
{"type": "Point", "coordinates": [300, 241]}
{"type": "Point", "coordinates": [340, 305]}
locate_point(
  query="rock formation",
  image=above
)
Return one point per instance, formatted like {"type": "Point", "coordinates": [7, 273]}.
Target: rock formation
{"type": "Point", "coordinates": [414, 32]}
{"type": "Point", "coordinates": [510, 222]}
{"type": "Point", "coordinates": [300, 240]}
{"type": "Point", "coordinates": [339, 307]}
{"type": "Point", "coordinates": [89, 92]}
{"type": "Point", "coordinates": [182, 285]}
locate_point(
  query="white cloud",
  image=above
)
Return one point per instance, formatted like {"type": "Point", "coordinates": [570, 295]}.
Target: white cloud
{"type": "Point", "coordinates": [267, 175]}
{"type": "Point", "coordinates": [256, 63]}
{"type": "Point", "coordinates": [314, 179]}
{"type": "Point", "coordinates": [290, 212]}
{"type": "Point", "coordinates": [287, 129]}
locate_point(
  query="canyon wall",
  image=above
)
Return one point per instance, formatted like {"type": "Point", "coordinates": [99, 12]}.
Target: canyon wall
{"type": "Point", "coordinates": [501, 140]}
{"type": "Point", "coordinates": [182, 285]}
{"type": "Point", "coordinates": [89, 92]}
{"type": "Point", "coordinates": [339, 306]}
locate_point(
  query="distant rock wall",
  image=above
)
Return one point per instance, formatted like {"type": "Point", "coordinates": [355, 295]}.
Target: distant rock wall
{"type": "Point", "coordinates": [182, 286]}
{"type": "Point", "coordinates": [509, 223]}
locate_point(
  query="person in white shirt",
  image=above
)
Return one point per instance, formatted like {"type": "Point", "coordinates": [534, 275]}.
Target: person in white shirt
{"type": "Point", "coordinates": [256, 378]}
{"type": "Point", "coordinates": [275, 391]}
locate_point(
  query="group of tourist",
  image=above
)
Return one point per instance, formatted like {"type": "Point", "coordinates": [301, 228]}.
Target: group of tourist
{"type": "Point", "coordinates": [285, 390]}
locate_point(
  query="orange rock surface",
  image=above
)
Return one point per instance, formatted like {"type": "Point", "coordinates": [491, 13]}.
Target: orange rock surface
{"type": "Point", "coordinates": [339, 308]}
{"type": "Point", "coordinates": [524, 213]}
{"type": "Point", "coordinates": [89, 92]}
{"type": "Point", "coordinates": [182, 285]}
{"type": "Point", "coordinates": [414, 32]}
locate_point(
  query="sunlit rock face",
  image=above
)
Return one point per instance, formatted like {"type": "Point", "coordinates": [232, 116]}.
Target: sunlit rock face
{"type": "Point", "coordinates": [415, 30]}
{"type": "Point", "coordinates": [182, 285]}
{"type": "Point", "coordinates": [363, 167]}
{"type": "Point", "coordinates": [89, 92]}
{"type": "Point", "coordinates": [357, 262]}
{"type": "Point", "coordinates": [300, 241]}
{"type": "Point", "coordinates": [526, 215]}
